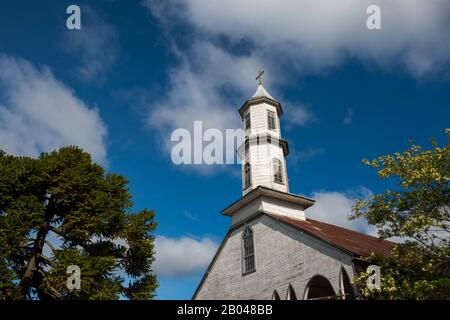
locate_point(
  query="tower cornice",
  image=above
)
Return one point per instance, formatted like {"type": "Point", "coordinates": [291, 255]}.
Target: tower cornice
{"type": "Point", "coordinates": [262, 191]}
{"type": "Point", "coordinates": [259, 100]}
{"type": "Point", "coordinates": [253, 139]}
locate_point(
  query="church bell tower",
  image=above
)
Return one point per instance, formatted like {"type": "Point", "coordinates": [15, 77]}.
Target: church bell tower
{"type": "Point", "coordinates": [263, 151]}
{"type": "Point", "coordinates": [265, 184]}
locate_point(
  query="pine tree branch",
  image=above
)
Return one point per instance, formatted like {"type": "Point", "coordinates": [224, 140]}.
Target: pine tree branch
{"type": "Point", "coordinates": [51, 246]}
{"type": "Point", "coordinates": [45, 259]}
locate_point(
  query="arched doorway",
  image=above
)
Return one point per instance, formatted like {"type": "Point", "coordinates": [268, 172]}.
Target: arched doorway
{"type": "Point", "coordinates": [346, 286]}
{"type": "Point", "coordinates": [291, 294]}
{"type": "Point", "coordinates": [319, 288]}
{"type": "Point", "coordinates": [275, 295]}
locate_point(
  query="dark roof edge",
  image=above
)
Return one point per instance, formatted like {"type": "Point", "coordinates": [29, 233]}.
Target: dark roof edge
{"type": "Point", "coordinates": [211, 264]}
{"type": "Point", "coordinates": [354, 254]}
{"type": "Point", "coordinates": [222, 244]}
{"type": "Point", "coordinates": [366, 235]}
{"type": "Point", "coordinates": [273, 216]}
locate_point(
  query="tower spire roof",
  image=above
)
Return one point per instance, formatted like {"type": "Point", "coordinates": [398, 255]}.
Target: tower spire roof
{"type": "Point", "coordinates": [261, 92]}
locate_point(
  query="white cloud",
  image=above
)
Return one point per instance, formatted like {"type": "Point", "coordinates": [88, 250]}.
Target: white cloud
{"type": "Point", "coordinates": [39, 113]}
{"type": "Point", "coordinates": [309, 35]}
{"type": "Point", "coordinates": [305, 155]}
{"type": "Point", "coordinates": [200, 89]}
{"type": "Point", "coordinates": [96, 46]}
{"type": "Point", "coordinates": [210, 84]}
{"type": "Point", "coordinates": [297, 115]}
{"type": "Point", "coordinates": [183, 256]}
{"type": "Point", "coordinates": [334, 207]}
{"type": "Point", "coordinates": [213, 77]}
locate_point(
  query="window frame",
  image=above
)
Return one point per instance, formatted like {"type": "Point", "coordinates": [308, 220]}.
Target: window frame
{"type": "Point", "coordinates": [247, 119]}
{"type": "Point", "coordinates": [271, 119]}
{"type": "Point", "coordinates": [247, 176]}
{"type": "Point", "coordinates": [248, 243]}
{"type": "Point", "coordinates": [246, 149]}
{"type": "Point", "coordinates": [278, 172]}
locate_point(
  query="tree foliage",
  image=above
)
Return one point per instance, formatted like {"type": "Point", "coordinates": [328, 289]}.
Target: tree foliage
{"type": "Point", "coordinates": [62, 209]}
{"type": "Point", "coordinates": [417, 212]}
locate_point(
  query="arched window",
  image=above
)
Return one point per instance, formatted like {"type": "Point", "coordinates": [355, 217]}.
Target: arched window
{"type": "Point", "coordinates": [275, 295]}
{"type": "Point", "coordinates": [248, 252]}
{"type": "Point", "coordinates": [291, 294]}
{"type": "Point", "coordinates": [247, 178]}
{"type": "Point", "coordinates": [319, 288]}
{"type": "Point", "coordinates": [346, 287]}
{"type": "Point", "coordinates": [277, 171]}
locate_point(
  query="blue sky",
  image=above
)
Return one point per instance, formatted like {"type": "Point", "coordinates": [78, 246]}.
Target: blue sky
{"type": "Point", "coordinates": [139, 69]}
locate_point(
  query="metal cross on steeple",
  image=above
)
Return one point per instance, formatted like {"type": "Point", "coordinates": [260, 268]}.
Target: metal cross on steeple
{"type": "Point", "coordinates": [259, 77]}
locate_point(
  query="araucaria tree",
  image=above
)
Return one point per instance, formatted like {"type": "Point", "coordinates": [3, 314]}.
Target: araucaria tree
{"type": "Point", "coordinates": [418, 212]}
{"type": "Point", "coordinates": [62, 210]}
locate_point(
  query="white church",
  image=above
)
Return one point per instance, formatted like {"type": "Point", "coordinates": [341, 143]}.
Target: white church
{"type": "Point", "coordinates": [272, 250]}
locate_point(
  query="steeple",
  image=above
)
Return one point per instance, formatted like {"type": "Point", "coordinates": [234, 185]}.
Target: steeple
{"type": "Point", "coordinates": [263, 152]}
{"type": "Point", "coordinates": [260, 91]}
{"type": "Point", "coordinates": [265, 184]}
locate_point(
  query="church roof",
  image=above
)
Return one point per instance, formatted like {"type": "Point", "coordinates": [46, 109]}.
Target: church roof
{"type": "Point", "coordinates": [355, 242]}
{"type": "Point", "coordinates": [261, 92]}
